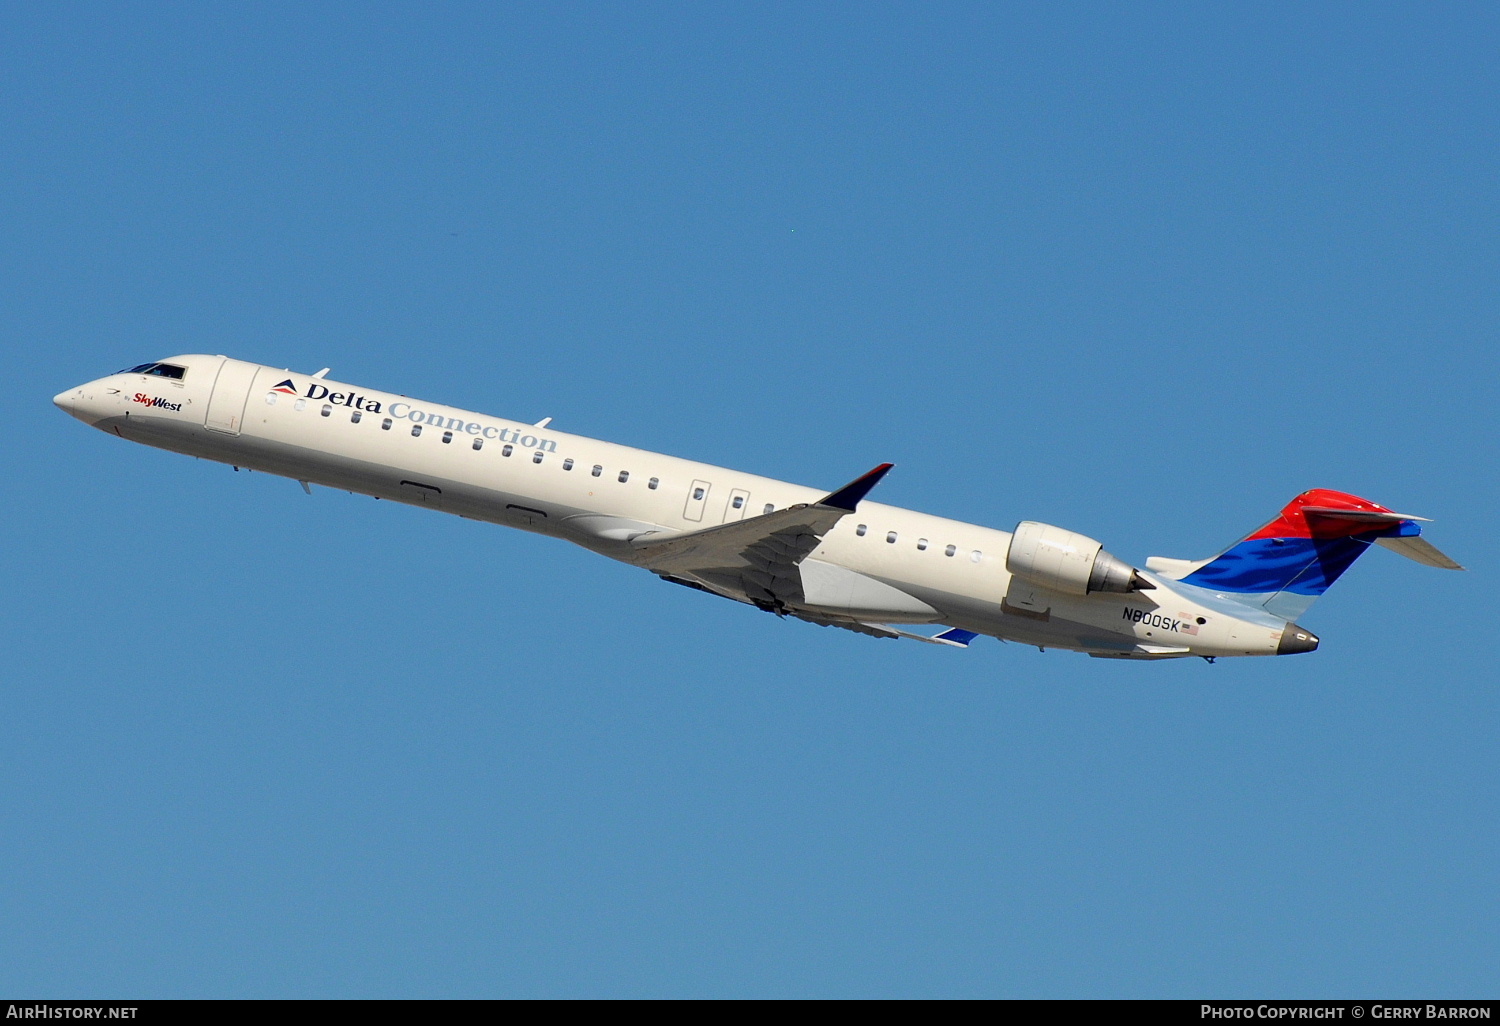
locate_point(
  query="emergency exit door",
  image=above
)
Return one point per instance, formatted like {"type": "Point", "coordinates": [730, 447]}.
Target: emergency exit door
{"type": "Point", "coordinates": [739, 501]}
{"type": "Point", "coordinates": [696, 500]}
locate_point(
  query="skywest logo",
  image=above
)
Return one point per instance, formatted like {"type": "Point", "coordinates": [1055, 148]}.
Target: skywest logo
{"type": "Point", "coordinates": [405, 411]}
{"type": "Point", "coordinates": [159, 403]}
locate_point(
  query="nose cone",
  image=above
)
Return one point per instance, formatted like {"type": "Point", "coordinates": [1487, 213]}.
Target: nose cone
{"type": "Point", "coordinates": [81, 402]}
{"type": "Point", "coordinates": [1296, 639]}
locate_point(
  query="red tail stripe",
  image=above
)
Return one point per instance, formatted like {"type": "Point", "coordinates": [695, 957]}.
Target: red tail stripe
{"type": "Point", "coordinates": [1293, 523]}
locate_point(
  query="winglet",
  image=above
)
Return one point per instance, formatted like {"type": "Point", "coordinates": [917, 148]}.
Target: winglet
{"type": "Point", "coordinates": [847, 497]}
{"type": "Point", "coordinates": [957, 636]}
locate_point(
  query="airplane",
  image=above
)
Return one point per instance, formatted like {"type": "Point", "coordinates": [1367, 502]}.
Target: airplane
{"type": "Point", "coordinates": [831, 558]}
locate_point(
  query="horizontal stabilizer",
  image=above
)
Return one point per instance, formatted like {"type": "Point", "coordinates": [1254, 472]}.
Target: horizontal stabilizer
{"type": "Point", "coordinates": [1360, 516]}
{"type": "Point", "coordinates": [1420, 550]}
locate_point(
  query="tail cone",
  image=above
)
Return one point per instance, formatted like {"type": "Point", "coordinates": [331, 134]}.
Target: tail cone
{"type": "Point", "coordinates": [1295, 639]}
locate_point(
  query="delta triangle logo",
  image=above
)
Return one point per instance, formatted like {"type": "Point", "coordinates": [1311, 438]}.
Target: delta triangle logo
{"type": "Point", "coordinates": [286, 388]}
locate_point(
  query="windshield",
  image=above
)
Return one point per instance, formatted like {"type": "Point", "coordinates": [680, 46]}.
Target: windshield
{"type": "Point", "coordinates": [161, 370]}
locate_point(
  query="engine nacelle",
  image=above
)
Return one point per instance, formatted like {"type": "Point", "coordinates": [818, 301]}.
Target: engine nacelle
{"type": "Point", "coordinates": [1067, 562]}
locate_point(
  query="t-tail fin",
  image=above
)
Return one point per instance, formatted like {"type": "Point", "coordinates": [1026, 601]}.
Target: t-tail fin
{"type": "Point", "coordinates": [1289, 562]}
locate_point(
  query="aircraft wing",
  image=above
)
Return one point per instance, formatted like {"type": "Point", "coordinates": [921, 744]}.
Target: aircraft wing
{"type": "Point", "coordinates": [954, 636]}
{"type": "Point", "coordinates": [870, 629]}
{"type": "Point", "coordinates": [754, 560]}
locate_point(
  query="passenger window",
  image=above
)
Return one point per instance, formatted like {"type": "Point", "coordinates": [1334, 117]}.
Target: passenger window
{"type": "Point", "coordinates": [921, 544]}
{"type": "Point", "coordinates": [536, 457]}
{"type": "Point", "coordinates": [385, 425]}
{"type": "Point", "coordinates": [327, 410]}
{"type": "Point", "coordinates": [568, 463]}
{"type": "Point", "coordinates": [301, 404]}
{"type": "Point", "coordinates": [890, 537]}
{"type": "Point", "coordinates": [355, 417]}
{"type": "Point", "coordinates": [770, 507]}
{"type": "Point", "coordinates": [416, 429]}
{"type": "Point", "coordinates": [950, 550]}
{"type": "Point", "coordinates": [976, 556]}
{"type": "Point", "coordinates": [478, 444]}
{"type": "Point", "coordinates": [624, 476]}
{"type": "Point", "coordinates": [447, 437]}
{"type": "Point", "coordinates": [739, 501]}
{"type": "Point", "coordinates": [860, 530]}
{"type": "Point", "coordinates": [270, 398]}
{"type": "Point", "coordinates": [597, 470]}
{"type": "Point", "coordinates": [507, 450]}
{"type": "Point", "coordinates": [697, 494]}
{"type": "Point", "coordinates": [651, 484]}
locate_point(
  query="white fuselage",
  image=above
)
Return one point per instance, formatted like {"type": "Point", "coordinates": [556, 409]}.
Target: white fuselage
{"type": "Point", "coordinates": [601, 495]}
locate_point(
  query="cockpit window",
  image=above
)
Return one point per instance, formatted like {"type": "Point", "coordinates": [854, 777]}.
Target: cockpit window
{"type": "Point", "coordinates": [161, 370]}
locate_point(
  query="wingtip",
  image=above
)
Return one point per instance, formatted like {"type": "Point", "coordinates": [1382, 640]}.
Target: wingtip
{"type": "Point", "coordinates": [849, 496]}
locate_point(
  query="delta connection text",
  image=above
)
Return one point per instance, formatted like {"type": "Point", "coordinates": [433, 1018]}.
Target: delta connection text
{"type": "Point", "coordinates": [405, 411]}
{"type": "Point", "coordinates": [1376, 1011]}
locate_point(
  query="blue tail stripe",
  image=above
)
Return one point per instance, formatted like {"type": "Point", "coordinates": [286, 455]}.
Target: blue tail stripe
{"type": "Point", "coordinates": [1304, 566]}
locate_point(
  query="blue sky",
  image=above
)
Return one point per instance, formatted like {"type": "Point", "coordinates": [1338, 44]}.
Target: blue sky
{"type": "Point", "coordinates": [1142, 272]}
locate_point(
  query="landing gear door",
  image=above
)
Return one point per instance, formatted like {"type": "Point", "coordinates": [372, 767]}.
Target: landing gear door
{"type": "Point", "coordinates": [226, 406]}
{"type": "Point", "coordinates": [696, 500]}
{"type": "Point", "coordinates": [739, 501]}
